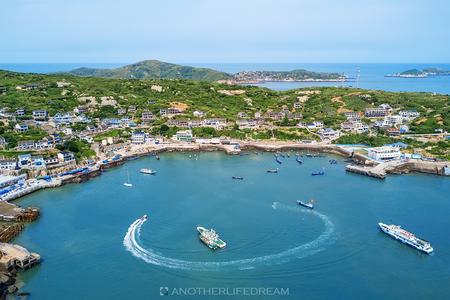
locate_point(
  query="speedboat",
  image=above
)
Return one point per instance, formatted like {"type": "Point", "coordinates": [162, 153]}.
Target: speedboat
{"type": "Point", "coordinates": [318, 173]}
{"type": "Point", "coordinates": [147, 171]}
{"type": "Point", "coordinates": [272, 170]}
{"type": "Point", "coordinates": [237, 177]}
{"type": "Point", "coordinates": [309, 204]}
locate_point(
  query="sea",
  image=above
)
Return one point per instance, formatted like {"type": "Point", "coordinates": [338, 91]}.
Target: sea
{"type": "Point", "coordinates": [95, 245]}
{"type": "Point", "coordinates": [363, 75]}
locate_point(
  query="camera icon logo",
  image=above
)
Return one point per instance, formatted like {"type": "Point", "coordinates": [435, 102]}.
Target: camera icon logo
{"type": "Point", "coordinates": [163, 291]}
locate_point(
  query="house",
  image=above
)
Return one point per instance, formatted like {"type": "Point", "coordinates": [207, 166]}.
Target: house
{"type": "Point", "coordinates": [54, 139]}
{"type": "Point", "coordinates": [394, 120]}
{"type": "Point", "coordinates": [121, 111]}
{"type": "Point", "coordinates": [63, 119]}
{"type": "Point", "coordinates": [20, 112]}
{"type": "Point", "coordinates": [38, 161]}
{"type": "Point", "coordinates": [82, 119]}
{"type": "Point", "coordinates": [177, 123]}
{"type": "Point", "coordinates": [384, 153]}
{"type": "Point", "coordinates": [183, 136]}
{"type": "Point", "coordinates": [138, 138]}
{"type": "Point", "coordinates": [355, 127]}
{"type": "Point", "coordinates": [386, 107]}
{"type": "Point", "coordinates": [409, 114]}
{"type": "Point", "coordinates": [3, 90]}
{"type": "Point", "coordinates": [195, 123]}
{"type": "Point", "coordinates": [376, 112]}
{"type": "Point", "coordinates": [24, 160]}
{"type": "Point", "coordinates": [404, 129]}
{"type": "Point", "coordinates": [147, 116]}
{"type": "Point", "coordinates": [66, 156]}
{"type": "Point", "coordinates": [39, 115]}
{"type": "Point", "coordinates": [111, 123]}
{"type": "Point", "coordinates": [80, 110]}
{"type": "Point", "coordinates": [315, 125]}
{"type": "Point", "coordinates": [8, 164]}
{"type": "Point", "coordinates": [353, 115]}
{"type": "Point", "coordinates": [329, 133]}
{"type": "Point", "coordinates": [132, 109]}
{"type": "Point", "coordinates": [215, 123]}
{"type": "Point", "coordinates": [28, 87]}
{"type": "Point", "coordinates": [297, 105]}
{"type": "Point", "coordinates": [393, 131]}
{"type": "Point", "coordinates": [42, 144]}
{"type": "Point", "coordinates": [247, 124]}
{"type": "Point", "coordinates": [171, 112]}
{"type": "Point", "coordinates": [242, 115]}
{"type": "Point", "coordinates": [21, 128]}
{"type": "Point", "coordinates": [151, 101]}
{"type": "Point", "coordinates": [25, 145]}
{"type": "Point", "coordinates": [198, 114]}
{"type": "Point", "coordinates": [67, 131]}
{"type": "Point", "coordinates": [52, 160]}
{"type": "Point", "coordinates": [257, 115]}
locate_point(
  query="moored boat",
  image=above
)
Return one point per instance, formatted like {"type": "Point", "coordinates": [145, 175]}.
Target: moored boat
{"type": "Point", "coordinates": [272, 170]}
{"type": "Point", "coordinates": [406, 237]}
{"type": "Point", "coordinates": [237, 177]}
{"type": "Point", "coordinates": [210, 238]}
{"type": "Point", "coordinates": [147, 171]}
{"type": "Point", "coordinates": [319, 173]}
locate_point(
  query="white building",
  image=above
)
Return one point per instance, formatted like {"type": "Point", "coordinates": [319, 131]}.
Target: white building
{"type": "Point", "coordinates": [329, 133]}
{"type": "Point", "coordinates": [183, 136]}
{"type": "Point", "coordinates": [138, 138]}
{"type": "Point", "coordinates": [384, 153]}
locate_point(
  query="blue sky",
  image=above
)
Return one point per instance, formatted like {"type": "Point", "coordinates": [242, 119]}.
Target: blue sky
{"type": "Point", "coordinates": [225, 31]}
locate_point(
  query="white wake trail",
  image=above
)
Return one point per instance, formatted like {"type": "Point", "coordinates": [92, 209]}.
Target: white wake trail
{"type": "Point", "coordinates": [133, 245]}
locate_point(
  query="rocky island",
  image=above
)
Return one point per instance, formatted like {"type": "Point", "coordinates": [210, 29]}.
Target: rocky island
{"type": "Point", "coordinates": [416, 73]}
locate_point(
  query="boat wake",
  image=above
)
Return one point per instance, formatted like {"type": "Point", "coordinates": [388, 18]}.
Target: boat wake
{"type": "Point", "coordinates": [133, 244]}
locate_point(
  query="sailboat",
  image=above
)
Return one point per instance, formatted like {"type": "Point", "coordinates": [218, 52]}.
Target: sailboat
{"type": "Point", "coordinates": [128, 183]}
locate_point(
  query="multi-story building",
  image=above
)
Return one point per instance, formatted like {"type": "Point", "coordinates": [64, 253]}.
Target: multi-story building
{"type": "Point", "coordinates": [384, 153]}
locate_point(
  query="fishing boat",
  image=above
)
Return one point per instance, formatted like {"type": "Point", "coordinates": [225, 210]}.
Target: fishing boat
{"type": "Point", "coordinates": [237, 177]}
{"type": "Point", "coordinates": [277, 159]}
{"type": "Point", "coordinates": [309, 204]}
{"type": "Point", "coordinates": [128, 183]}
{"type": "Point", "coordinates": [157, 157]}
{"type": "Point", "coordinates": [319, 173]}
{"type": "Point", "coordinates": [272, 170]}
{"type": "Point", "coordinates": [332, 161]}
{"type": "Point", "coordinates": [147, 171]}
{"type": "Point", "coordinates": [210, 238]}
{"type": "Point", "coordinates": [298, 160]}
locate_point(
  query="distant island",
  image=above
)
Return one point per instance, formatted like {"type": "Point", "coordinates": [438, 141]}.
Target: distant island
{"type": "Point", "coordinates": [416, 73]}
{"type": "Point", "coordinates": [154, 69]}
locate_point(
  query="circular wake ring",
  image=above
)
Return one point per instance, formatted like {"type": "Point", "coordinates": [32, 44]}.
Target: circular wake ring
{"type": "Point", "coordinates": [132, 244]}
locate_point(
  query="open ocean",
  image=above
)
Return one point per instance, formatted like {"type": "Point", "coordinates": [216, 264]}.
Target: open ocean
{"type": "Point", "coordinates": [371, 75]}
{"type": "Point", "coordinates": [93, 247]}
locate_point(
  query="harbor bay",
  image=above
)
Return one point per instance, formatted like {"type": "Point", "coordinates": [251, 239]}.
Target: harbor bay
{"type": "Point", "coordinates": [86, 234]}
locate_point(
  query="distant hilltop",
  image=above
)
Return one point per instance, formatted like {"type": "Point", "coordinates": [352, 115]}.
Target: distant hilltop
{"type": "Point", "coordinates": [416, 73]}
{"type": "Point", "coordinates": [154, 69]}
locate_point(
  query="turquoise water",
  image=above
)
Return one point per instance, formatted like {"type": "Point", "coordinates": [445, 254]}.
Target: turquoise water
{"type": "Point", "coordinates": [334, 251]}
{"type": "Point", "coordinates": [371, 75]}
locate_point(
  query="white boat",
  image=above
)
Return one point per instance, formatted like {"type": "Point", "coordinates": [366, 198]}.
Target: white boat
{"type": "Point", "coordinates": [147, 171]}
{"type": "Point", "coordinates": [406, 237]}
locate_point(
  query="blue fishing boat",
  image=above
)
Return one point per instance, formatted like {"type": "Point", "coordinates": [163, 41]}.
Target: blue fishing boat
{"type": "Point", "coordinates": [298, 160]}
{"type": "Point", "coordinates": [318, 173]}
{"type": "Point", "coordinates": [277, 159]}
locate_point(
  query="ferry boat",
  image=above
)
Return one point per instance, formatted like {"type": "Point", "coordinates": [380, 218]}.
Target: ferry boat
{"type": "Point", "coordinates": [272, 170]}
{"type": "Point", "coordinates": [406, 237]}
{"type": "Point", "coordinates": [318, 173]}
{"type": "Point", "coordinates": [147, 171]}
{"type": "Point", "coordinates": [309, 204]}
{"type": "Point", "coordinates": [210, 238]}
{"type": "Point", "coordinates": [237, 177]}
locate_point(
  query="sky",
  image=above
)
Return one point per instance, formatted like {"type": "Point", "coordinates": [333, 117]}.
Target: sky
{"type": "Point", "coordinates": [221, 31]}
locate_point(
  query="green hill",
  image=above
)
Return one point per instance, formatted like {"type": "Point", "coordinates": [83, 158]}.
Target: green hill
{"type": "Point", "coordinates": [153, 69]}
